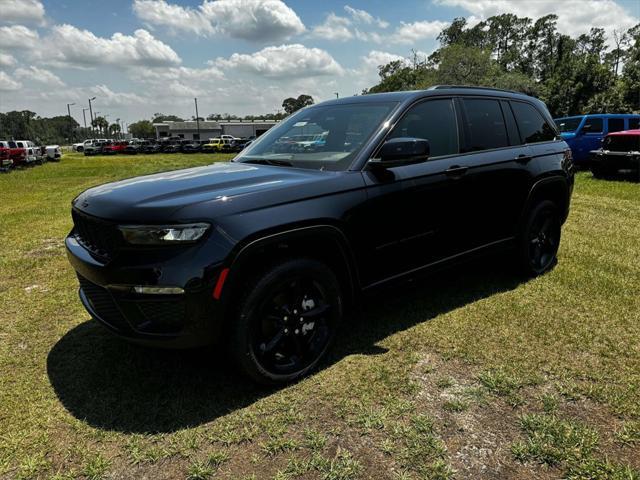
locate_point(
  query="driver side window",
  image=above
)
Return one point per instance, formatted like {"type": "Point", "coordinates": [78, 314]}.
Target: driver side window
{"type": "Point", "coordinates": [433, 120]}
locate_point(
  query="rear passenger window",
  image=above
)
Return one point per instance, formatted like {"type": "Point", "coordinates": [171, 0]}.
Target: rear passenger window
{"type": "Point", "coordinates": [634, 123]}
{"type": "Point", "coordinates": [485, 127]}
{"type": "Point", "coordinates": [533, 127]}
{"type": "Point", "coordinates": [512, 129]}
{"type": "Point", "coordinates": [616, 124]}
{"type": "Point", "coordinates": [592, 125]}
{"type": "Point", "coordinates": [433, 120]}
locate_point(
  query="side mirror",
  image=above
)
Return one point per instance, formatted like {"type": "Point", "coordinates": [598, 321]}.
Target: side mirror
{"type": "Point", "coordinates": [401, 151]}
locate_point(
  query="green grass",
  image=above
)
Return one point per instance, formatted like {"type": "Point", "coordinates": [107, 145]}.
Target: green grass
{"type": "Point", "coordinates": [548, 370]}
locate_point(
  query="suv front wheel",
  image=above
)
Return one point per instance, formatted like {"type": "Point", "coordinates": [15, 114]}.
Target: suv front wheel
{"type": "Point", "coordinates": [539, 239]}
{"type": "Point", "coordinates": [286, 321]}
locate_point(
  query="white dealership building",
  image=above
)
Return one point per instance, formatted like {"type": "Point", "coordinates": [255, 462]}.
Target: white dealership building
{"type": "Point", "coordinates": [212, 129]}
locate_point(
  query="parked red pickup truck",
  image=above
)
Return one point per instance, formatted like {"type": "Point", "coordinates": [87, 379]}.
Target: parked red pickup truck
{"type": "Point", "coordinates": [22, 152]}
{"type": "Point", "coordinates": [5, 156]}
{"type": "Point", "coordinates": [620, 151]}
{"type": "Point", "coordinates": [114, 148]}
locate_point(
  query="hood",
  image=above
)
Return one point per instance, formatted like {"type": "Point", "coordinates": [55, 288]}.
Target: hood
{"type": "Point", "coordinates": [202, 192]}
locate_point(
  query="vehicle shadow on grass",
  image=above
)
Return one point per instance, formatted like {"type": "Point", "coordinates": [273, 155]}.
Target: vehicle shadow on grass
{"type": "Point", "coordinates": [114, 385]}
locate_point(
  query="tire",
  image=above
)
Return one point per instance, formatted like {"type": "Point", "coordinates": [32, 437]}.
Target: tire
{"type": "Point", "coordinates": [277, 336]}
{"type": "Point", "coordinates": [539, 239]}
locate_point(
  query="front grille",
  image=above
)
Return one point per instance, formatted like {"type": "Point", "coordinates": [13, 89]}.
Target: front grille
{"type": "Point", "coordinates": [103, 304]}
{"type": "Point", "coordinates": [99, 237]}
{"type": "Point", "coordinates": [622, 143]}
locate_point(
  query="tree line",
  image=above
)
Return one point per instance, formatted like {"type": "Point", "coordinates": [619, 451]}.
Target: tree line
{"type": "Point", "coordinates": [571, 75]}
{"type": "Point", "coordinates": [61, 130]}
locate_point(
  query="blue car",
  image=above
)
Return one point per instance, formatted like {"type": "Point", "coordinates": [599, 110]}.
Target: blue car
{"type": "Point", "coordinates": [584, 133]}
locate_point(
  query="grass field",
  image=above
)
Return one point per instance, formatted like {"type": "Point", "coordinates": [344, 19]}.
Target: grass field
{"type": "Point", "coordinates": [472, 374]}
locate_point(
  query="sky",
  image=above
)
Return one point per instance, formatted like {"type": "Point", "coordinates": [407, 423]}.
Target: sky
{"type": "Point", "coordinates": [139, 57]}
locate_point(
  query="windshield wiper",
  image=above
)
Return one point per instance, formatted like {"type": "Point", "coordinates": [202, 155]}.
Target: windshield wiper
{"type": "Point", "coordinates": [269, 161]}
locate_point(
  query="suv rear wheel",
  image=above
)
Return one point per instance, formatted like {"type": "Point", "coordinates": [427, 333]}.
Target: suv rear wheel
{"type": "Point", "coordinates": [286, 321]}
{"type": "Point", "coordinates": [539, 239]}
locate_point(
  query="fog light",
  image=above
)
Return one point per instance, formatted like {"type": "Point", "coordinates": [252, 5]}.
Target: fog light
{"type": "Point", "coordinates": [158, 290]}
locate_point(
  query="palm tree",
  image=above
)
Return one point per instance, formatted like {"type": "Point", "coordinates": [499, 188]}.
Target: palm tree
{"type": "Point", "coordinates": [101, 124]}
{"type": "Point", "coordinates": [114, 129]}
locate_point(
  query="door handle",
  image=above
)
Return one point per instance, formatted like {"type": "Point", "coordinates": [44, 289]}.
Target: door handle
{"type": "Point", "coordinates": [522, 158]}
{"type": "Point", "coordinates": [456, 171]}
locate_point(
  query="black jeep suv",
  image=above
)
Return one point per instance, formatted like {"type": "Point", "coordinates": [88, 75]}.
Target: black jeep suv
{"type": "Point", "coordinates": [266, 251]}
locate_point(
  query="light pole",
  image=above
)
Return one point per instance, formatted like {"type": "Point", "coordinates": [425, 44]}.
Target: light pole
{"type": "Point", "coordinates": [91, 113]}
{"type": "Point", "coordinates": [197, 118]}
{"type": "Point", "coordinates": [84, 117]}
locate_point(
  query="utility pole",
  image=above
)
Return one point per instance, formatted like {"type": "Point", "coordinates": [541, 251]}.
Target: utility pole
{"type": "Point", "coordinates": [91, 113]}
{"type": "Point", "coordinates": [197, 117]}
{"type": "Point", "coordinates": [69, 113]}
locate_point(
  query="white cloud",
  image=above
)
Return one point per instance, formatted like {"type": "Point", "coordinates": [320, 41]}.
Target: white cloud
{"type": "Point", "coordinates": [8, 84]}
{"type": "Point", "coordinates": [68, 45]}
{"type": "Point", "coordinates": [39, 75]}
{"type": "Point", "coordinates": [375, 58]}
{"type": "Point", "coordinates": [179, 81]}
{"type": "Point", "coordinates": [362, 16]}
{"type": "Point", "coordinates": [175, 17]}
{"type": "Point", "coordinates": [342, 29]}
{"type": "Point", "coordinates": [254, 20]}
{"type": "Point", "coordinates": [21, 11]}
{"type": "Point", "coordinates": [7, 60]}
{"type": "Point", "coordinates": [180, 74]}
{"type": "Point", "coordinates": [334, 28]}
{"type": "Point", "coordinates": [367, 72]}
{"type": "Point", "coordinates": [412, 32]}
{"type": "Point", "coordinates": [18, 37]}
{"type": "Point", "coordinates": [109, 98]}
{"type": "Point", "coordinates": [284, 61]}
{"type": "Point", "coordinates": [574, 16]}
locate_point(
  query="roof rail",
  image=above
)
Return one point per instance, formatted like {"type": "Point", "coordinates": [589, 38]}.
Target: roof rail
{"type": "Point", "coordinates": [472, 87]}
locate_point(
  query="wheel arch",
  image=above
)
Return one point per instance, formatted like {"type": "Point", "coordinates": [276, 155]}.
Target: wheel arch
{"type": "Point", "coordinates": [324, 241]}
{"type": "Point", "coordinates": [554, 188]}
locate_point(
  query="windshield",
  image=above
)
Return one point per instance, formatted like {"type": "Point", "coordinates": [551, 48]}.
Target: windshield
{"type": "Point", "coordinates": [323, 137]}
{"type": "Point", "coordinates": [567, 125]}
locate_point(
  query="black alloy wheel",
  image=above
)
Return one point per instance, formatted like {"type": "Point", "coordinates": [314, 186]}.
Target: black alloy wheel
{"type": "Point", "coordinates": [287, 321]}
{"type": "Point", "coordinates": [541, 239]}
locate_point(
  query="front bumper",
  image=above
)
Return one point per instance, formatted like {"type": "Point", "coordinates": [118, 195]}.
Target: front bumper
{"type": "Point", "coordinates": [615, 161]}
{"type": "Point", "coordinates": [190, 319]}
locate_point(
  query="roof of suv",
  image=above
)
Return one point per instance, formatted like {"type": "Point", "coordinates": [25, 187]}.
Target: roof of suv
{"type": "Point", "coordinates": [437, 90]}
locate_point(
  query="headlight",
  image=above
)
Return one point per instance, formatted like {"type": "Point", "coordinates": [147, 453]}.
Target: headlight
{"type": "Point", "coordinates": [163, 234]}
